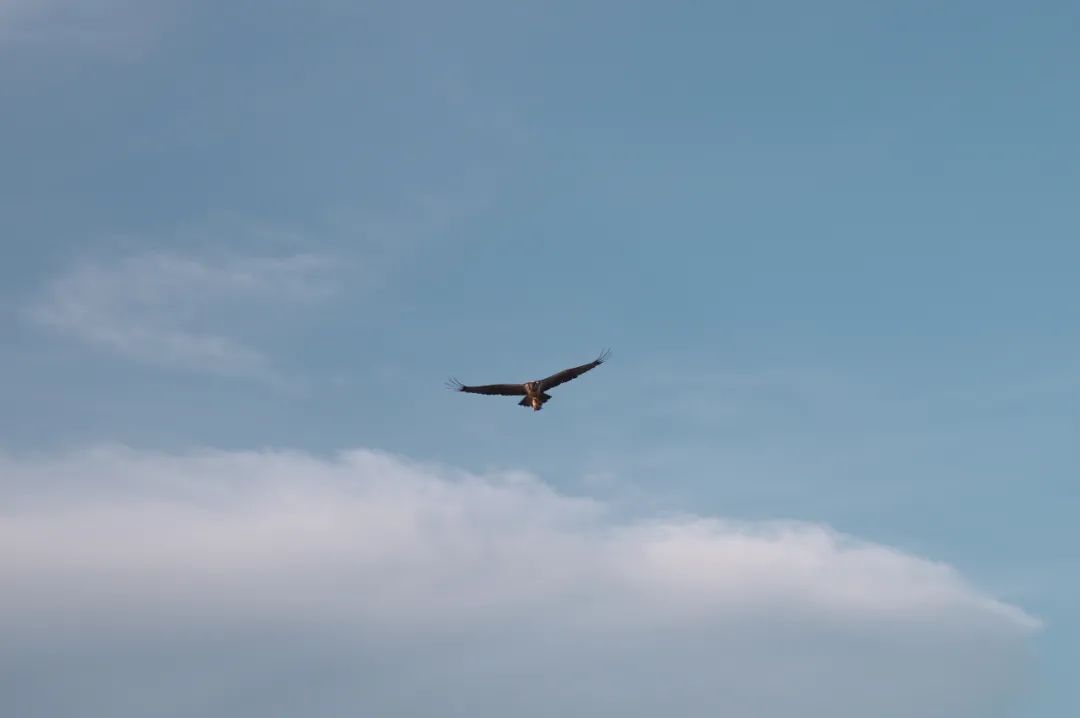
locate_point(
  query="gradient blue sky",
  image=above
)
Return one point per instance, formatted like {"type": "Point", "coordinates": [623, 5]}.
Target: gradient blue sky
{"type": "Point", "coordinates": [833, 246]}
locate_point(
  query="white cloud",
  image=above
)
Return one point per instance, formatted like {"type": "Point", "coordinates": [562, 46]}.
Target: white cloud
{"type": "Point", "coordinates": [156, 307]}
{"type": "Point", "coordinates": [120, 28]}
{"type": "Point", "coordinates": [229, 583]}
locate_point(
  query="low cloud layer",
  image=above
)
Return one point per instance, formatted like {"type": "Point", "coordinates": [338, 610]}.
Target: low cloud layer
{"type": "Point", "coordinates": [254, 584]}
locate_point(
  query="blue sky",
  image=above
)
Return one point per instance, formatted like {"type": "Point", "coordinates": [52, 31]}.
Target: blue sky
{"type": "Point", "coordinates": [832, 247]}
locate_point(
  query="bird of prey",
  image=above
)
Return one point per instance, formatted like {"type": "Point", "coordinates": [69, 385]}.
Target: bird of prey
{"type": "Point", "coordinates": [535, 392]}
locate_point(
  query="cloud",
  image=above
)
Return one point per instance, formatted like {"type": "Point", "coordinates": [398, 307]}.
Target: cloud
{"type": "Point", "coordinates": [188, 304]}
{"type": "Point", "coordinates": [155, 307]}
{"type": "Point", "coordinates": [253, 583]}
{"type": "Point", "coordinates": [120, 28]}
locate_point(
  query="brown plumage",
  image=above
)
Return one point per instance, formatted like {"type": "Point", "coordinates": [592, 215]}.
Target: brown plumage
{"type": "Point", "coordinates": [535, 392]}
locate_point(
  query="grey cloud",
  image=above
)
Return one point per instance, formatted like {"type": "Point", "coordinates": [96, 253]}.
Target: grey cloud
{"type": "Point", "coordinates": [276, 583]}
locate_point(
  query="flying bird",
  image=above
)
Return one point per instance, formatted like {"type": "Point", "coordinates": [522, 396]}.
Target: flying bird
{"type": "Point", "coordinates": [535, 392]}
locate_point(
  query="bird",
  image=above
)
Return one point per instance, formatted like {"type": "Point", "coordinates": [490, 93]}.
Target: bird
{"type": "Point", "coordinates": [534, 392]}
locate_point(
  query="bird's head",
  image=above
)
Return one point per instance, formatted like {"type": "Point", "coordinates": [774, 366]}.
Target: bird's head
{"type": "Point", "coordinates": [532, 386]}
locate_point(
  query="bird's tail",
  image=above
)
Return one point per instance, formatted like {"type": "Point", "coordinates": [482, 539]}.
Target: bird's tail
{"type": "Point", "coordinates": [527, 402]}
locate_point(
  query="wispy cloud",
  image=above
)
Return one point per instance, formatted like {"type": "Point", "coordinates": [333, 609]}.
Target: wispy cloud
{"type": "Point", "coordinates": [188, 305]}
{"type": "Point", "coordinates": [157, 307]}
{"type": "Point", "coordinates": [407, 588]}
{"type": "Point", "coordinates": [118, 28]}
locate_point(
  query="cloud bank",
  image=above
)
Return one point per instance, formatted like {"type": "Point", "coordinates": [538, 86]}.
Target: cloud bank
{"type": "Point", "coordinates": [275, 583]}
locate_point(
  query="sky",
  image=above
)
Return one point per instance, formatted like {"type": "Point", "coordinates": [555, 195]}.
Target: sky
{"type": "Point", "coordinates": [829, 469]}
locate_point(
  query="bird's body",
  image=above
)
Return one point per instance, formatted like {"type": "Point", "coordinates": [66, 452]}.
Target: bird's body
{"type": "Point", "coordinates": [534, 395]}
{"type": "Point", "coordinates": [534, 392]}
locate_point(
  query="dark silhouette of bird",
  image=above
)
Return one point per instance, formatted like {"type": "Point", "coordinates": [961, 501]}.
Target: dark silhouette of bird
{"type": "Point", "coordinates": [534, 392]}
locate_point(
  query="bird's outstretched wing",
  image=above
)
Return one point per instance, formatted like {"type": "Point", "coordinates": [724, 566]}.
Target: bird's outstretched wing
{"type": "Point", "coordinates": [499, 389]}
{"type": "Point", "coordinates": [567, 374]}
